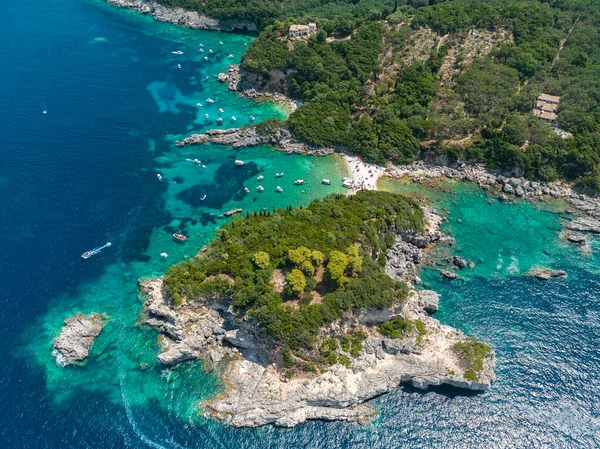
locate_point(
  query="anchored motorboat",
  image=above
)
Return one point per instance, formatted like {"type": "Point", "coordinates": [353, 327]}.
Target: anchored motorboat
{"type": "Point", "coordinates": [260, 188]}
{"type": "Point", "coordinates": [246, 189]}
{"type": "Point", "coordinates": [233, 118]}
{"type": "Point", "coordinates": [210, 100]}
{"type": "Point", "coordinates": [203, 197]}
{"type": "Point", "coordinates": [199, 105]}
{"type": "Point", "coordinates": [206, 58]}
{"type": "Point", "coordinates": [327, 182]}
{"type": "Point", "coordinates": [252, 118]}
{"type": "Point", "coordinates": [180, 237]}
{"type": "Point", "coordinates": [159, 176]}
{"type": "Point", "coordinates": [221, 110]}
{"type": "Point", "coordinates": [178, 52]}
{"type": "Point", "coordinates": [279, 189]}
{"type": "Point", "coordinates": [260, 178]}
{"type": "Point", "coordinates": [298, 182]}
{"type": "Point", "coordinates": [239, 163]}
{"type": "Point", "coordinates": [165, 255]}
{"type": "Point", "coordinates": [279, 175]}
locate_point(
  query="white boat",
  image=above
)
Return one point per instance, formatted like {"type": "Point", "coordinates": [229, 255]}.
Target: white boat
{"type": "Point", "coordinates": [233, 118]}
{"type": "Point", "coordinates": [239, 163]}
{"type": "Point", "coordinates": [231, 56]}
{"type": "Point", "coordinates": [260, 188]}
{"type": "Point", "coordinates": [210, 100]}
{"type": "Point", "coordinates": [221, 42]}
{"type": "Point", "coordinates": [206, 115]}
{"type": "Point", "coordinates": [165, 255]}
{"type": "Point", "coordinates": [252, 118]}
{"type": "Point", "coordinates": [178, 52]}
{"type": "Point", "coordinates": [221, 110]}
{"type": "Point", "coordinates": [206, 79]}
{"type": "Point", "coordinates": [202, 50]}
{"type": "Point", "coordinates": [196, 161]}
{"type": "Point", "coordinates": [44, 111]}
{"type": "Point", "coordinates": [201, 45]}
{"type": "Point", "coordinates": [260, 178]}
{"type": "Point", "coordinates": [246, 189]}
{"type": "Point", "coordinates": [279, 175]}
{"type": "Point", "coordinates": [279, 189]}
{"type": "Point", "coordinates": [159, 176]}
{"type": "Point", "coordinates": [327, 182]}
{"type": "Point", "coordinates": [203, 166]}
{"type": "Point", "coordinates": [348, 184]}
{"type": "Point", "coordinates": [95, 251]}
{"type": "Point", "coordinates": [199, 105]}
{"type": "Point", "coordinates": [220, 120]}
{"type": "Point", "coordinates": [178, 66]}
{"type": "Point", "coordinates": [245, 44]}
{"type": "Point", "coordinates": [299, 182]}
{"type": "Point", "coordinates": [203, 197]}
{"type": "Point", "coordinates": [210, 51]}
{"type": "Point", "coordinates": [206, 58]}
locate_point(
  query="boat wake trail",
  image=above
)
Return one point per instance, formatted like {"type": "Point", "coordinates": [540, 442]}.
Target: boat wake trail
{"type": "Point", "coordinates": [211, 439]}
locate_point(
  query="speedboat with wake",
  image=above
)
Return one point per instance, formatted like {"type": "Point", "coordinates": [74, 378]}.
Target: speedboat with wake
{"type": "Point", "coordinates": [95, 251]}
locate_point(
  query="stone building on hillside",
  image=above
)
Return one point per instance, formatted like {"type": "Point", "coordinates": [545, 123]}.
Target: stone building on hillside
{"type": "Point", "coordinates": [546, 107]}
{"type": "Point", "coordinates": [299, 31]}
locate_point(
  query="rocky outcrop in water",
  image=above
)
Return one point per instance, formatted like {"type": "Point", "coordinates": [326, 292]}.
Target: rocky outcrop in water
{"type": "Point", "coordinates": [188, 19]}
{"type": "Point", "coordinates": [546, 273]}
{"type": "Point", "coordinates": [76, 338]}
{"type": "Point", "coordinates": [248, 137]}
{"type": "Point", "coordinates": [257, 392]}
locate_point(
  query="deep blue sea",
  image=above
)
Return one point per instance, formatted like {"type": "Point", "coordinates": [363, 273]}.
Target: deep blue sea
{"type": "Point", "coordinates": [85, 173]}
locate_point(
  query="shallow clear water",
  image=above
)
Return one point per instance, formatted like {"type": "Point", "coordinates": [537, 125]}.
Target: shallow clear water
{"type": "Point", "coordinates": [85, 173]}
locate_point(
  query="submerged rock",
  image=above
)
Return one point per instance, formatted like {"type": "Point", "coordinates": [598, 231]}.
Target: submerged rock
{"type": "Point", "coordinates": [448, 274]}
{"type": "Point", "coordinates": [76, 337]}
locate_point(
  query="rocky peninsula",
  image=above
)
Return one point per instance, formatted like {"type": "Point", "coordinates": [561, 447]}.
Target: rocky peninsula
{"type": "Point", "coordinates": [252, 136]}
{"type": "Point", "coordinates": [73, 344]}
{"type": "Point", "coordinates": [188, 19]}
{"type": "Point", "coordinates": [401, 344]}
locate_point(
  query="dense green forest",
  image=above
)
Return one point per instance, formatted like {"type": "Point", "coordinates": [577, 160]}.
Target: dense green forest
{"type": "Point", "coordinates": [330, 257]}
{"type": "Point", "coordinates": [406, 79]}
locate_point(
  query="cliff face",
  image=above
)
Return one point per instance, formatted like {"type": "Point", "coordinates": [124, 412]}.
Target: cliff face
{"type": "Point", "coordinates": [184, 18]}
{"type": "Point", "coordinates": [257, 391]}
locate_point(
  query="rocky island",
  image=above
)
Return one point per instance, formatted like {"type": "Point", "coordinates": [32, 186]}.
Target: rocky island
{"type": "Point", "coordinates": [73, 344]}
{"type": "Point", "coordinates": [309, 313]}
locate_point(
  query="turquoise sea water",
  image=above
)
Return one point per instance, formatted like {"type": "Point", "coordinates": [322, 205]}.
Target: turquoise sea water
{"type": "Point", "coordinates": [85, 173]}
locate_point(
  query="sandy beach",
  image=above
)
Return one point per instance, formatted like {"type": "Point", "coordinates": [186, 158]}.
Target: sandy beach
{"type": "Point", "coordinates": [364, 175]}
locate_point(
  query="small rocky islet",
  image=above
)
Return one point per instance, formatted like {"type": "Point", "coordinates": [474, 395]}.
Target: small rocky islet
{"type": "Point", "coordinates": [73, 343]}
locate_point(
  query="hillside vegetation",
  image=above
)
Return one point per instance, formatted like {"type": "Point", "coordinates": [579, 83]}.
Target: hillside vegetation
{"type": "Point", "coordinates": [296, 271]}
{"type": "Point", "coordinates": [402, 80]}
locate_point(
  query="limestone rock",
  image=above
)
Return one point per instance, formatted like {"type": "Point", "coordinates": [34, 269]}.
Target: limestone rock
{"type": "Point", "coordinates": [459, 262]}
{"type": "Point", "coordinates": [547, 273]}
{"type": "Point", "coordinates": [76, 337]}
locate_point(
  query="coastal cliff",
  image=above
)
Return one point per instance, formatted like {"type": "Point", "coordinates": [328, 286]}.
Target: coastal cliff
{"type": "Point", "coordinates": [400, 344]}
{"type": "Point", "coordinates": [189, 19]}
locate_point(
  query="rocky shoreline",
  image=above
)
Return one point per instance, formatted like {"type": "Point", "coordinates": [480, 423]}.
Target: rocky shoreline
{"type": "Point", "coordinates": [72, 345]}
{"type": "Point", "coordinates": [506, 187]}
{"type": "Point", "coordinates": [250, 136]}
{"type": "Point", "coordinates": [188, 19]}
{"type": "Point", "coordinates": [236, 83]}
{"type": "Point", "coordinates": [257, 392]}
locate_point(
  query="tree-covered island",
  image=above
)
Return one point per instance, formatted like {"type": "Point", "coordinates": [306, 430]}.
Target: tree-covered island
{"type": "Point", "coordinates": [309, 312]}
